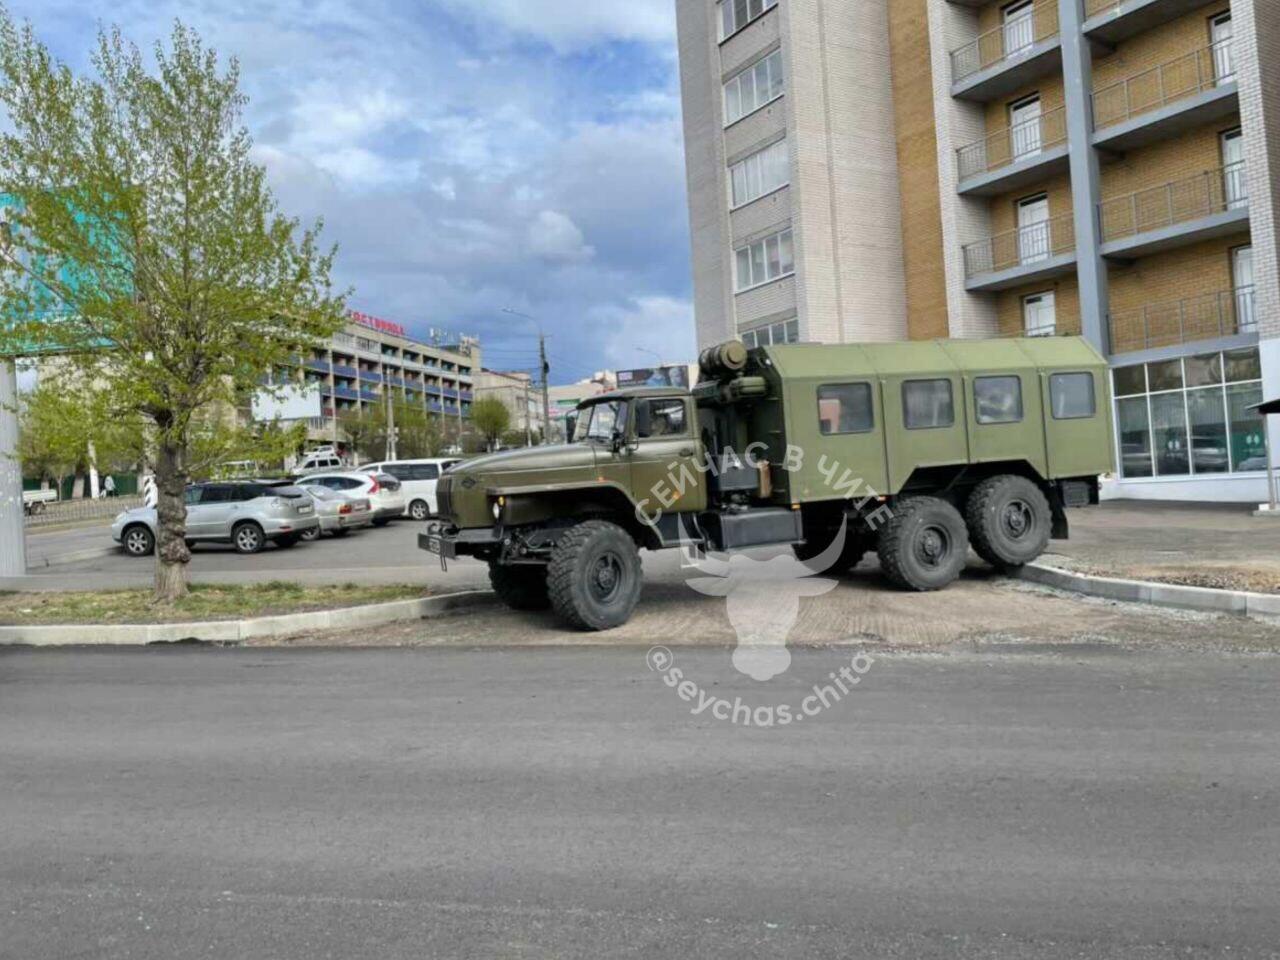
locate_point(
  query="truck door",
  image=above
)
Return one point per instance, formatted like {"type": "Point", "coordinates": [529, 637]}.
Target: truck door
{"type": "Point", "coordinates": [665, 455]}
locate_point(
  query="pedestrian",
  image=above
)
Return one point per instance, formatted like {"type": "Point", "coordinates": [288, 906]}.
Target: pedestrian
{"type": "Point", "coordinates": [109, 486]}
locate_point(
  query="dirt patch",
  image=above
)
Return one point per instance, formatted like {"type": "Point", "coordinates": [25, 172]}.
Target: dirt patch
{"type": "Point", "coordinates": [1250, 577]}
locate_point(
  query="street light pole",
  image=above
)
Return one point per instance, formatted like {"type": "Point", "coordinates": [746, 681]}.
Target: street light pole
{"type": "Point", "coordinates": [546, 372]}
{"type": "Point", "coordinates": [13, 540]}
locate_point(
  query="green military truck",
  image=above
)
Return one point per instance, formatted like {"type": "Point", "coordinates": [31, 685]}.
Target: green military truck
{"type": "Point", "coordinates": [915, 450]}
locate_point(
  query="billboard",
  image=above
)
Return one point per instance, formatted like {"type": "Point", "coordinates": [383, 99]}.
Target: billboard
{"type": "Point", "coordinates": [293, 402]}
{"type": "Point", "coordinates": [672, 375]}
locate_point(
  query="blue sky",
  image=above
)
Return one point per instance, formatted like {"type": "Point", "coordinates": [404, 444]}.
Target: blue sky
{"type": "Point", "coordinates": [467, 155]}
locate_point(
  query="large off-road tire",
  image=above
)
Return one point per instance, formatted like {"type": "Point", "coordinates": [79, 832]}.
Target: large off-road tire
{"type": "Point", "coordinates": [1009, 521]}
{"type": "Point", "coordinates": [924, 544]}
{"type": "Point", "coordinates": [855, 548]}
{"type": "Point", "coordinates": [520, 588]}
{"type": "Point", "coordinates": [594, 577]}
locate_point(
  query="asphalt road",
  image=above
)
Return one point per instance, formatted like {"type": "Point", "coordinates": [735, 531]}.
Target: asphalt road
{"type": "Point", "coordinates": [1091, 803]}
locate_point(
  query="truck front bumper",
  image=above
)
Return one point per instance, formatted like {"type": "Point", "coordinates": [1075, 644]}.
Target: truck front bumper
{"type": "Point", "coordinates": [448, 542]}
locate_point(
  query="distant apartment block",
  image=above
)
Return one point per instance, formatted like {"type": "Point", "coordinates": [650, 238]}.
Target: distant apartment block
{"type": "Point", "coordinates": [884, 169]}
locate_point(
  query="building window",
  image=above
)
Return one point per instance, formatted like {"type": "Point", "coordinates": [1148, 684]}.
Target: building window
{"type": "Point", "coordinates": [1039, 314]}
{"type": "Point", "coordinates": [762, 172]}
{"type": "Point", "coordinates": [748, 91]}
{"type": "Point", "coordinates": [927, 404]}
{"type": "Point", "coordinates": [784, 331]}
{"type": "Point", "coordinates": [997, 399]}
{"type": "Point", "coordinates": [736, 14]}
{"type": "Point", "coordinates": [763, 261]}
{"type": "Point", "coordinates": [845, 408]}
{"type": "Point", "coordinates": [1190, 415]}
{"type": "Point", "coordinates": [1071, 396]}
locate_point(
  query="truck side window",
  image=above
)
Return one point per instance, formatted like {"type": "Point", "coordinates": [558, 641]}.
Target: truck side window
{"type": "Point", "coordinates": [665, 418]}
{"type": "Point", "coordinates": [998, 399]}
{"type": "Point", "coordinates": [927, 404]}
{"type": "Point", "coordinates": [1071, 396]}
{"type": "Point", "coordinates": [845, 408]}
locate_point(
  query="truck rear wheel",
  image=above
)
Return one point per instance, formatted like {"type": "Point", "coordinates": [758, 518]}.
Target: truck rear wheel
{"type": "Point", "coordinates": [520, 588]}
{"type": "Point", "coordinates": [924, 544]}
{"type": "Point", "coordinates": [1009, 521]}
{"type": "Point", "coordinates": [594, 576]}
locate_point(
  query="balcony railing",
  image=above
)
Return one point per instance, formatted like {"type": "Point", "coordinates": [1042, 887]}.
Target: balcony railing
{"type": "Point", "coordinates": [1161, 85]}
{"type": "Point", "coordinates": [1016, 35]}
{"type": "Point", "coordinates": [1024, 246]}
{"type": "Point", "coordinates": [1222, 314]}
{"type": "Point", "coordinates": [1017, 142]}
{"type": "Point", "coordinates": [1213, 191]}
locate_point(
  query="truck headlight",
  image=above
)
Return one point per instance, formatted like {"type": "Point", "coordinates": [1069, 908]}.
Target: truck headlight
{"type": "Point", "coordinates": [497, 508]}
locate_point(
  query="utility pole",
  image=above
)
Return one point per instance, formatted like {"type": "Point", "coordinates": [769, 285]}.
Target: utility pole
{"type": "Point", "coordinates": [391, 423]}
{"type": "Point", "coordinates": [528, 420]}
{"type": "Point", "coordinates": [13, 539]}
{"type": "Point", "coordinates": [546, 372]}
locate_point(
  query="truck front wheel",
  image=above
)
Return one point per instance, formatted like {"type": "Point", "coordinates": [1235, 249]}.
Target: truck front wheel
{"type": "Point", "coordinates": [520, 588]}
{"type": "Point", "coordinates": [1009, 521]}
{"type": "Point", "coordinates": [594, 576]}
{"type": "Point", "coordinates": [924, 544]}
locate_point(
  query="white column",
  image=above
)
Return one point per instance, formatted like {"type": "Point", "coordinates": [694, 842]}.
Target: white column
{"type": "Point", "coordinates": [13, 543]}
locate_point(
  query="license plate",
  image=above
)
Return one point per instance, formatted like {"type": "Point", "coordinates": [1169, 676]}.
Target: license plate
{"type": "Point", "coordinates": [438, 545]}
{"type": "Point", "coordinates": [304, 511]}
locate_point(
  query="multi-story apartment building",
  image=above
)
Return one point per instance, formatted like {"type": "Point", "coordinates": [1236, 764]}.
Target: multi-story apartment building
{"type": "Point", "coordinates": [518, 393]}
{"type": "Point", "coordinates": [875, 169]}
{"type": "Point", "coordinates": [371, 356]}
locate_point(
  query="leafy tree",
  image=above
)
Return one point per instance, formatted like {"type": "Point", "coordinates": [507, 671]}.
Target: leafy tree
{"type": "Point", "coordinates": [365, 431]}
{"type": "Point", "coordinates": [420, 434]}
{"type": "Point", "coordinates": [491, 419]}
{"type": "Point", "coordinates": [150, 250]}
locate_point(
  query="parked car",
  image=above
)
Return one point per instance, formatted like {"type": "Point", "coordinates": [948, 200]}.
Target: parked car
{"type": "Point", "coordinates": [324, 459]}
{"type": "Point", "coordinates": [247, 514]}
{"type": "Point", "coordinates": [338, 513]}
{"type": "Point", "coordinates": [37, 501]}
{"type": "Point", "coordinates": [382, 490]}
{"type": "Point", "coordinates": [418, 479]}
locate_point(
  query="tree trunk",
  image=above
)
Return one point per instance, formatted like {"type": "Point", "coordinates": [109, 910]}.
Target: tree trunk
{"type": "Point", "coordinates": [172, 555]}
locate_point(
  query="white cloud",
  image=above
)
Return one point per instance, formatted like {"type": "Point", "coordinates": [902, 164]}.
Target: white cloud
{"type": "Point", "coordinates": [659, 323]}
{"type": "Point", "coordinates": [567, 25]}
{"type": "Point", "coordinates": [555, 237]}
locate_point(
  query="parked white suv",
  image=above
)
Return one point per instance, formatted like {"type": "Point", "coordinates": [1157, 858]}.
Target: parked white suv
{"type": "Point", "coordinates": [418, 479]}
{"type": "Point", "coordinates": [244, 513]}
{"type": "Point", "coordinates": [382, 490]}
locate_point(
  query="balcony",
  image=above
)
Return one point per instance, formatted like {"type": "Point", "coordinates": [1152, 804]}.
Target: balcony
{"type": "Point", "coordinates": [1211, 316]}
{"type": "Point", "coordinates": [339, 370]}
{"type": "Point", "coordinates": [1110, 21]}
{"type": "Point", "coordinates": [346, 393]}
{"type": "Point", "coordinates": [370, 395]}
{"type": "Point", "coordinates": [371, 376]}
{"type": "Point", "coordinates": [1037, 251]}
{"type": "Point", "coordinates": [320, 365]}
{"type": "Point", "coordinates": [1210, 204]}
{"type": "Point", "coordinates": [1167, 99]}
{"type": "Point", "coordinates": [1015, 156]}
{"type": "Point", "coordinates": [1017, 52]}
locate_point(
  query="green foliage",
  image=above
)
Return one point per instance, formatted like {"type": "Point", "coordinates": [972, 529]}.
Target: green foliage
{"type": "Point", "coordinates": [491, 419]}
{"type": "Point", "coordinates": [62, 421]}
{"type": "Point", "coordinates": [141, 223]}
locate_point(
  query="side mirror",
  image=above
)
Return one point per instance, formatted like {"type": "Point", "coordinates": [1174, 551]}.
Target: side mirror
{"type": "Point", "coordinates": [617, 441]}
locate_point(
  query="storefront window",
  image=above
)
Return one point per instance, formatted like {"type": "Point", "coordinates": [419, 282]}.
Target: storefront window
{"type": "Point", "coordinates": [1190, 416]}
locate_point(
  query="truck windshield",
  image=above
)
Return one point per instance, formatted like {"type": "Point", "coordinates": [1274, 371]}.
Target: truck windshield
{"type": "Point", "coordinates": [598, 421]}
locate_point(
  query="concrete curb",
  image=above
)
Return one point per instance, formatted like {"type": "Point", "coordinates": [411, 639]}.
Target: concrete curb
{"type": "Point", "coordinates": [1206, 599]}
{"type": "Point", "coordinates": [234, 631]}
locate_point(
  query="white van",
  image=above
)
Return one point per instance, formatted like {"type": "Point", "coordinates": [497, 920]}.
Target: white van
{"type": "Point", "coordinates": [326, 458]}
{"type": "Point", "coordinates": [418, 479]}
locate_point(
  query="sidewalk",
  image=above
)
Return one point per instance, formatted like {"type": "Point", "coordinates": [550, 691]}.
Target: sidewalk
{"type": "Point", "coordinates": [1203, 545]}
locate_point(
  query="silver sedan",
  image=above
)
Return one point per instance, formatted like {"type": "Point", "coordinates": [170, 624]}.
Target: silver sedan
{"type": "Point", "coordinates": [338, 513]}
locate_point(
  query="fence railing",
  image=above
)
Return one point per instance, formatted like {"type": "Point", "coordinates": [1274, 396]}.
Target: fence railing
{"type": "Point", "coordinates": [1020, 32]}
{"type": "Point", "coordinates": [1024, 246]}
{"type": "Point", "coordinates": [1166, 83]}
{"type": "Point", "coordinates": [1220, 314]}
{"type": "Point", "coordinates": [1213, 191]}
{"type": "Point", "coordinates": [71, 511]}
{"type": "Point", "coordinates": [1018, 141]}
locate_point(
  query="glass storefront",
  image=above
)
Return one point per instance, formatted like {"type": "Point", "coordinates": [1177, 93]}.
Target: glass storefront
{"type": "Point", "coordinates": [1190, 416]}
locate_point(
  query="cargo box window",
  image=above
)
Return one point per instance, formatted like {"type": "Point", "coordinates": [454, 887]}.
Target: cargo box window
{"type": "Point", "coordinates": [927, 404]}
{"type": "Point", "coordinates": [998, 399]}
{"type": "Point", "coordinates": [845, 408]}
{"type": "Point", "coordinates": [1071, 396]}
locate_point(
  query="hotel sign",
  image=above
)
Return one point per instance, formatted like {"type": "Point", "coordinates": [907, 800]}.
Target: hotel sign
{"type": "Point", "coordinates": [377, 323]}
